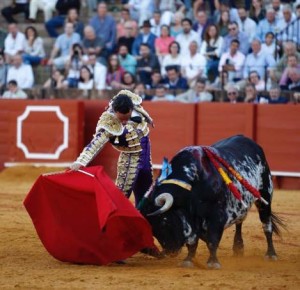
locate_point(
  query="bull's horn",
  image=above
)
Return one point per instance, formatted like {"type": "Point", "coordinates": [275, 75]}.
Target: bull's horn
{"type": "Point", "coordinates": [165, 200]}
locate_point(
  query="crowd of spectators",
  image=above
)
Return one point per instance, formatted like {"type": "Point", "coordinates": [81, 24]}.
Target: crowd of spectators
{"type": "Point", "coordinates": [167, 50]}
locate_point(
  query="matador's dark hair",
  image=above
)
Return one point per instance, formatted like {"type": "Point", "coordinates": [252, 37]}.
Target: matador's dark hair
{"type": "Point", "coordinates": [122, 104]}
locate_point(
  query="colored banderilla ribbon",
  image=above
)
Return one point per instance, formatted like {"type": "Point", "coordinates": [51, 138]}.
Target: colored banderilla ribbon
{"type": "Point", "coordinates": [216, 161]}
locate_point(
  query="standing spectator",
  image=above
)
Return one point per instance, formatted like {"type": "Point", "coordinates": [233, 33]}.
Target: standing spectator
{"type": "Point", "coordinates": [105, 27]}
{"type": "Point", "coordinates": [201, 25]}
{"type": "Point", "coordinates": [223, 23]}
{"type": "Point", "coordinates": [156, 24]}
{"type": "Point", "coordinates": [193, 65]}
{"type": "Point", "coordinates": [162, 95]}
{"type": "Point", "coordinates": [197, 94]}
{"type": "Point", "coordinates": [234, 33]}
{"type": "Point", "coordinates": [233, 95]}
{"type": "Point", "coordinates": [47, 6]}
{"type": "Point", "coordinates": [211, 49]}
{"type": "Point", "coordinates": [257, 11]}
{"type": "Point", "coordinates": [21, 73]}
{"type": "Point", "coordinates": [114, 72]}
{"type": "Point", "coordinates": [173, 58]}
{"type": "Point", "coordinates": [62, 7]}
{"type": "Point", "coordinates": [14, 92]}
{"type": "Point", "coordinates": [140, 10]}
{"type": "Point", "coordinates": [128, 37]}
{"type": "Point", "coordinates": [34, 47]}
{"type": "Point", "coordinates": [176, 27]}
{"type": "Point", "coordinates": [146, 64]}
{"type": "Point", "coordinates": [258, 60]}
{"type": "Point", "coordinates": [14, 42]}
{"type": "Point", "coordinates": [127, 61]}
{"type": "Point", "coordinates": [63, 45]}
{"type": "Point", "coordinates": [232, 62]}
{"type": "Point", "coordinates": [146, 36]}
{"type": "Point", "coordinates": [162, 43]}
{"type": "Point", "coordinates": [56, 80]}
{"type": "Point", "coordinates": [255, 79]}
{"type": "Point", "coordinates": [173, 80]}
{"type": "Point", "coordinates": [246, 24]}
{"type": "Point", "coordinates": [16, 7]}
{"type": "Point", "coordinates": [168, 8]}
{"type": "Point", "coordinates": [86, 81]}
{"type": "Point", "coordinates": [268, 24]}
{"type": "Point", "coordinates": [187, 36]}
{"type": "Point", "coordinates": [126, 19]}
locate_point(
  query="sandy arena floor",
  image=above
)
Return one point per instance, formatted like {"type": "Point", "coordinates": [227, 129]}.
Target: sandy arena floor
{"type": "Point", "coordinates": [25, 264]}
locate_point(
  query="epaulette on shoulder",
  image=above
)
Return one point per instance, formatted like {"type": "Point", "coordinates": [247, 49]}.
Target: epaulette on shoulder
{"type": "Point", "coordinates": [110, 123]}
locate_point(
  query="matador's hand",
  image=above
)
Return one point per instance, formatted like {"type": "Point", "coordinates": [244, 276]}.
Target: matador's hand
{"type": "Point", "coordinates": [75, 166]}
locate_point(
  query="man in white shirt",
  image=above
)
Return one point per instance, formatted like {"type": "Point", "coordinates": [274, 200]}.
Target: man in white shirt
{"type": "Point", "coordinates": [246, 24]}
{"type": "Point", "coordinates": [156, 23]}
{"type": "Point", "coordinates": [14, 42]}
{"type": "Point", "coordinates": [14, 92]}
{"type": "Point", "coordinates": [21, 73]}
{"type": "Point", "coordinates": [187, 36]}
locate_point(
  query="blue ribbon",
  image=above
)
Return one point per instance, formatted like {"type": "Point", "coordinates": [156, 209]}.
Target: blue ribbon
{"type": "Point", "coordinates": [166, 170]}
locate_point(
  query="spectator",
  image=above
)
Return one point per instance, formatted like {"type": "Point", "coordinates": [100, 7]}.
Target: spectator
{"type": "Point", "coordinates": [128, 37]}
{"type": "Point", "coordinates": [269, 46]}
{"type": "Point", "coordinates": [193, 64]}
{"type": "Point", "coordinates": [201, 25]}
{"type": "Point", "coordinates": [62, 7]}
{"type": "Point", "coordinates": [256, 81]}
{"type": "Point", "coordinates": [234, 33]}
{"type": "Point", "coordinates": [34, 47]}
{"type": "Point", "coordinates": [140, 10]}
{"type": "Point", "coordinates": [146, 36]}
{"type": "Point", "coordinates": [233, 95]}
{"type": "Point", "coordinates": [62, 46]}
{"type": "Point", "coordinates": [127, 81]}
{"type": "Point", "coordinates": [172, 59]}
{"type": "Point", "coordinates": [257, 11]}
{"type": "Point", "coordinates": [168, 8]}
{"type": "Point", "coordinates": [140, 90]}
{"type": "Point", "coordinates": [16, 7]}
{"type": "Point", "coordinates": [162, 43]}
{"type": "Point", "coordinates": [223, 23]}
{"type": "Point", "coordinates": [114, 73]}
{"type": "Point", "coordinates": [173, 80]}
{"type": "Point", "coordinates": [14, 42]}
{"type": "Point", "coordinates": [268, 24]}
{"type": "Point", "coordinates": [275, 97]}
{"type": "Point", "coordinates": [176, 27]}
{"type": "Point", "coordinates": [294, 79]}
{"type": "Point", "coordinates": [220, 83]}
{"type": "Point", "coordinates": [211, 49]}
{"type": "Point", "coordinates": [126, 19]}
{"type": "Point", "coordinates": [162, 95]}
{"type": "Point", "coordinates": [3, 70]}
{"type": "Point", "coordinates": [155, 22]}
{"type": "Point", "coordinates": [56, 81]}
{"type": "Point", "coordinates": [250, 94]}
{"type": "Point", "coordinates": [105, 27]}
{"type": "Point", "coordinates": [14, 92]}
{"type": "Point", "coordinates": [93, 44]}
{"type": "Point", "coordinates": [156, 80]}
{"type": "Point", "coordinates": [187, 36]}
{"type": "Point", "coordinates": [86, 80]}
{"type": "Point", "coordinates": [258, 60]}
{"type": "Point", "coordinates": [197, 94]}
{"type": "Point", "coordinates": [47, 6]}
{"type": "Point", "coordinates": [73, 17]}
{"type": "Point", "coordinates": [146, 64]}
{"type": "Point", "coordinates": [246, 24]}
{"type": "Point", "coordinates": [232, 62]}
{"type": "Point", "coordinates": [291, 62]}
{"type": "Point", "coordinates": [296, 98]}
{"type": "Point", "coordinates": [21, 73]}
{"type": "Point", "coordinates": [127, 61]}
{"type": "Point", "coordinates": [278, 8]}
{"type": "Point", "coordinates": [225, 5]}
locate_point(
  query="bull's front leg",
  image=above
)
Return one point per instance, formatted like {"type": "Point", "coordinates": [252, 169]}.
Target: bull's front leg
{"type": "Point", "coordinates": [192, 248]}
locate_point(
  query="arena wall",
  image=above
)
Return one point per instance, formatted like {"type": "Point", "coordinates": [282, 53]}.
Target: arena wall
{"type": "Point", "coordinates": [54, 132]}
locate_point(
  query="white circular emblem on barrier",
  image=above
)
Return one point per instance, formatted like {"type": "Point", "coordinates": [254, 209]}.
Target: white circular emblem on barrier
{"type": "Point", "coordinates": [60, 116]}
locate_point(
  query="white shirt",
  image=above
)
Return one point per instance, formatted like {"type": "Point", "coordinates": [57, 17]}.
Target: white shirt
{"type": "Point", "coordinates": [19, 94]}
{"type": "Point", "coordinates": [86, 86]}
{"type": "Point", "coordinates": [169, 60]}
{"type": "Point", "coordinates": [99, 71]}
{"type": "Point", "coordinates": [185, 39]}
{"type": "Point", "coordinates": [13, 45]}
{"type": "Point", "coordinates": [23, 75]}
{"type": "Point", "coordinates": [218, 44]}
{"type": "Point", "coordinates": [249, 27]}
{"type": "Point", "coordinates": [194, 65]}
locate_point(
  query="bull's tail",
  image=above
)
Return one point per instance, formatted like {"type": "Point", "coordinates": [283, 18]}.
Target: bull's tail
{"type": "Point", "coordinates": [277, 224]}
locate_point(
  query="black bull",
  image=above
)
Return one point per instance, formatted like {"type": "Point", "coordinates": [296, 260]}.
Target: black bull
{"type": "Point", "coordinates": [194, 202]}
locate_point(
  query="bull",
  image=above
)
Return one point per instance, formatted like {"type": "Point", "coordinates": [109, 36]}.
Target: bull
{"type": "Point", "coordinates": [192, 201]}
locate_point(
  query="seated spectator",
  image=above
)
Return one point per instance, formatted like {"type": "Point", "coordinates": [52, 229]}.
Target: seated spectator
{"type": "Point", "coordinates": [294, 79]}
{"type": "Point", "coordinates": [232, 62]}
{"type": "Point", "coordinates": [220, 83]}
{"type": "Point", "coordinates": [173, 80]}
{"type": "Point", "coordinates": [162, 95]}
{"type": "Point", "coordinates": [211, 49]}
{"type": "Point", "coordinates": [14, 42]}
{"type": "Point", "coordinates": [257, 10]}
{"type": "Point", "coordinates": [93, 44]}
{"type": "Point", "coordinates": [223, 23]}
{"type": "Point", "coordinates": [145, 36]}
{"type": "Point", "coordinates": [86, 79]}
{"type": "Point", "coordinates": [193, 65]}
{"type": "Point", "coordinates": [128, 37]}
{"type": "Point", "coordinates": [62, 46]}
{"type": "Point", "coordinates": [14, 92]}
{"type": "Point", "coordinates": [176, 27]}
{"type": "Point", "coordinates": [127, 61]}
{"type": "Point", "coordinates": [34, 47]}
{"type": "Point", "coordinates": [156, 24]}
{"type": "Point", "coordinates": [296, 98]}
{"type": "Point", "coordinates": [234, 33]}
{"type": "Point", "coordinates": [163, 42]}
{"type": "Point", "coordinates": [126, 19]}
{"type": "Point", "coordinates": [268, 24]}
{"type": "Point", "coordinates": [246, 24]}
{"type": "Point", "coordinates": [156, 80]}
{"type": "Point", "coordinates": [233, 95]}
{"type": "Point", "coordinates": [255, 79]}
{"type": "Point", "coordinates": [20, 72]}
{"type": "Point", "coordinates": [16, 7]}
{"type": "Point", "coordinates": [197, 94]}
{"type": "Point", "coordinates": [140, 10]}
{"type": "Point", "coordinates": [3, 71]}
{"type": "Point", "coordinates": [275, 97]}
{"type": "Point", "coordinates": [278, 8]}
{"type": "Point", "coordinates": [47, 6]}
{"type": "Point", "coordinates": [225, 5]}
{"type": "Point", "coordinates": [56, 81]}
{"type": "Point", "coordinates": [62, 8]}
{"type": "Point", "coordinates": [105, 27]}
{"type": "Point", "coordinates": [251, 95]}
{"type": "Point", "coordinates": [173, 58]}
{"type": "Point", "coordinates": [269, 46]}
{"type": "Point", "coordinates": [140, 90]}
{"type": "Point", "coordinates": [128, 81]}
{"type": "Point", "coordinates": [73, 17]}
{"type": "Point", "coordinates": [114, 73]}
{"type": "Point", "coordinates": [187, 36]}
{"type": "Point", "coordinates": [291, 62]}
{"type": "Point", "coordinates": [168, 8]}
{"type": "Point", "coordinates": [146, 64]}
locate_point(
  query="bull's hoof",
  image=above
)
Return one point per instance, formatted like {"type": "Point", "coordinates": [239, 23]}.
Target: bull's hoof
{"type": "Point", "coordinates": [187, 264]}
{"type": "Point", "coordinates": [238, 252]}
{"type": "Point", "coordinates": [271, 257]}
{"type": "Point", "coordinates": [213, 265]}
